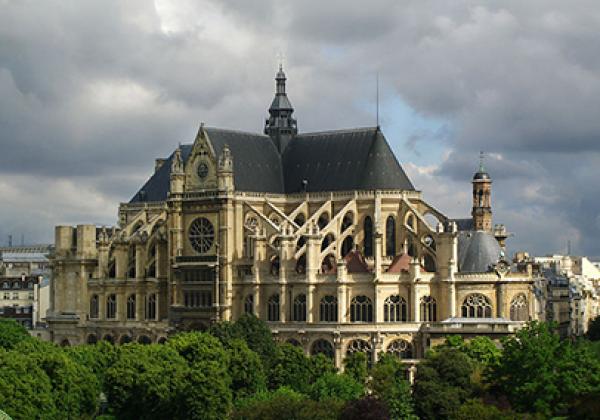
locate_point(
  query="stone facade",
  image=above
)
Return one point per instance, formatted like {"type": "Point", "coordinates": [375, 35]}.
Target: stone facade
{"type": "Point", "coordinates": [338, 271]}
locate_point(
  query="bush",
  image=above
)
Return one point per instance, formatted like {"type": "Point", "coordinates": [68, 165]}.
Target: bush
{"type": "Point", "coordinates": [285, 403]}
{"type": "Point", "coordinates": [367, 408]}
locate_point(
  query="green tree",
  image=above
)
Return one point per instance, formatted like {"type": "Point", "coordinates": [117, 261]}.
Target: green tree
{"type": "Point", "coordinates": [257, 335]}
{"type": "Point", "coordinates": [12, 333]}
{"type": "Point", "coordinates": [442, 383]}
{"type": "Point", "coordinates": [75, 389]}
{"type": "Point", "coordinates": [476, 409]}
{"type": "Point", "coordinates": [388, 383]}
{"type": "Point", "coordinates": [25, 389]}
{"type": "Point", "coordinates": [539, 372]}
{"type": "Point", "coordinates": [98, 357]}
{"type": "Point", "coordinates": [245, 369]}
{"type": "Point", "coordinates": [336, 386]}
{"type": "Point", "coordinates": [355, 365]}
{"type": "Point", "coordinates": [209, 394]}
{"type": "Point", "coordinates": [147, 382]}
{"type": "Point", "coordinates": [290, 368]}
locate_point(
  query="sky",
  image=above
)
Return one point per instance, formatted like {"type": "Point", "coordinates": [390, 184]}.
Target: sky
{"type": "Point", "coordinates": [91, 92]}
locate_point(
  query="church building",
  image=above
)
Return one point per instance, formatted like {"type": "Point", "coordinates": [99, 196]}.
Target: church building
{"type": "Point", "coordinates": [321, 235]}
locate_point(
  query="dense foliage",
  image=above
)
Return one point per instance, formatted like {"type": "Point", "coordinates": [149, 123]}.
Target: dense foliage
{"type": "Point", "coordinates": [236, 370]}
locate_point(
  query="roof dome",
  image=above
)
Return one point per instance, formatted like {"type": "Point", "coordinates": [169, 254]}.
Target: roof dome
{"type": "Point", "coordinates": [481, 175]}
{"type": "Point", "coordinates": [478, 252]}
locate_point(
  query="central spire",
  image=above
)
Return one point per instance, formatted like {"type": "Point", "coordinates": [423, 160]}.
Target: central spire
{"type": "Point", "coordinates": [280, 125]}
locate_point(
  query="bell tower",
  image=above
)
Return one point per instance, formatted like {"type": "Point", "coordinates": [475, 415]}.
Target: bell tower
{"type": "Point", "coordinates": [280, 125]}
{"type": "Point", "coordinates": [482, 200]}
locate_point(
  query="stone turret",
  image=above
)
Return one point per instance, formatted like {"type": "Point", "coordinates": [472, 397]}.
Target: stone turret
{"type": "Point", "coordinates": [482, 200]}
{"type": "Point", "coordinates": [280, 125]}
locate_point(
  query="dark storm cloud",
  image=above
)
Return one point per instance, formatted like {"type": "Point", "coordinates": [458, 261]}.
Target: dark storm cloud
{"type": "Point", "coordinates": [91, 92]}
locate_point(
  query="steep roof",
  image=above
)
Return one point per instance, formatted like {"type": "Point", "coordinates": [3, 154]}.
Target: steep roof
{"type": "Point", "coordinates": [478, 251]}
{"type": "Point", "coordinates": [341, 160]}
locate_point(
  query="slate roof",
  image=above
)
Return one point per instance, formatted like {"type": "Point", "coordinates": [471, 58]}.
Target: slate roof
{"type": "Point", "coordinates": [342, 160]}
{"type": "Point", "coordinates": [477, 251]}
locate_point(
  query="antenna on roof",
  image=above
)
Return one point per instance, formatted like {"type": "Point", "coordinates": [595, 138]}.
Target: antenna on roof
{"type": "Point", "coordinates": [377, 101]}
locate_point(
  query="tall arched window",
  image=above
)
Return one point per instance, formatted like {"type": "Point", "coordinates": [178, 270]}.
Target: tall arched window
{"type": "Point", "coordinates": [368, 242]}
{"type": "Point", "coordinates": [518, 308]}
{"type": "Point", "coordinates": [94, 306]}
{"type": "Point", "coordinates": [428, 309]}
{"type": "Point", "coordinates": [322, 346]}
{"type": "Point", "coordinates": [328, 309]}
{"type": "Point", "coordinates": [151, 307]}
{"type": "Point", "coordinates": [273, 308]}
{"type": "Point", "coordinates": [361, 346]}
{"type": "Point", "coordinates": [131, 307]}
{"type": "Point", "coordinates": [476, 306]}
{"type": "Point", "coordinates": [111, 306]}
{"type": "Point", "coordinates": [429, 263]}
{"type": "Point", "coordinates": [395, 309]}
{"type": "Point", "coordinates": [300, 308]}
{"type": "Point", "coordinates": [249, 304]}
{"type": "Point", "coordinates": [401, 349]}
{"type": "Point", "coordinates": [361, 309]}
{"type": "Point", "coordinates": [132, 263]}
{"type": "Point", "coordinates": [390, 236]}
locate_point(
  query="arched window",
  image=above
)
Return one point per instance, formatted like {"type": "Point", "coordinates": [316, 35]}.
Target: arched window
{"type": "Point", "coordinates": [132, 263]}
{"type": "Point", "coordinates": [428, 309]}
{"type": "Point", "coordinates": [395, 309]}
{"type": "Point", "coordinates": [410, 221]}
{"type": "Point", "coordinates": [347, 245]}
{"type": "Point", "coordinates": [92, 339]}
{"type": "Point", "coordinates": [368, 241]}
{"type": "Point", "coordinates": [361, 346]}
{"type": "Point", "coordinates": [328, 309]}
{"type": "Point", "coordinates": [111, 306]}
{"type": "Point", "coordinates": [299, 308]}
{"type": "Point", "coordinates": [249, 304]}
{"type": "Point", "coordinates": [273, 308]}
{"type": "Point", "coordinates": [361, 309]}
{"type": "Point", "coordinates": [6, 285]}
{"type": "Point", "coordinates": [410, 247]}
{"type": "Point", "coordinates": [400, 348]}
{"type": "Point", "coordinates": [151, 307]}
{"type": "Point", "coordinates": [322, 346]}
{"type": "Point", "coordinates": [251, 224]}
{"type": "Point", "coordinates": [390, 236]}
{"type": "Point", "coordinates": [347, 221]}
{"type": "Point", "coordinates": [94, 306]}
{"type": "Point", "coordinates": [293, 342]}
{"type": "Point", "coordinates": [144, 339]}
{"type": "Point", "coordinates": [476, 306]}
{"type": "Point", "coordinates": [131, 307]}
{"type": "Point", "coordinates": [518, 308]}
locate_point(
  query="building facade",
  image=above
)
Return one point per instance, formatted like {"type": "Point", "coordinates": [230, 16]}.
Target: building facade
{"type": "Point", "coordinates": [570, 291]}
{"type": "Point", "coordinates": [321, 235]}
{"type": "Point", "coordinates": [25, 284]}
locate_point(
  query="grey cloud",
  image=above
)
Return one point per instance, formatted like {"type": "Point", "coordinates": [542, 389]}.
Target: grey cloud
{"type": "Point", "coordinates": [92, 92]}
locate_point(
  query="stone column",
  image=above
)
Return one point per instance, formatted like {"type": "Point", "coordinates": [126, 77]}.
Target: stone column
{"type": "Point", "coordinates": [415, 271]}
{"type": "Point", "coordinates": [341, 289]}
{"type": "Point", "coordinates": [310, 303]}
{"type": "Point", "coordinates": [500, 289]}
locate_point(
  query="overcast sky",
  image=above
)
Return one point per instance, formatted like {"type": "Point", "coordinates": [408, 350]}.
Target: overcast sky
{"type": "Point", "coordinates": [92, 92]}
